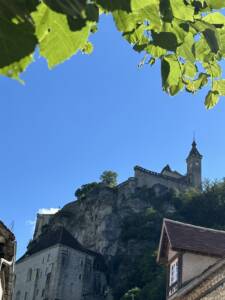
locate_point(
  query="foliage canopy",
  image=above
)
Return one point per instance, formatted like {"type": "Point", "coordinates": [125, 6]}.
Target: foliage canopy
{"type": "Point", "coordinates": [109, 178]}
{"type": "Point", "coordinates": [187, 36]}
{"type": "Point", "coordinates": [142, 232]}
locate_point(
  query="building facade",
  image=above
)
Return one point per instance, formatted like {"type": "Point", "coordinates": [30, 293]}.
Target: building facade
{"type": "Point", "coordinates": [194, 258]}
{"type": "Point", "coordinates": [57, 267]}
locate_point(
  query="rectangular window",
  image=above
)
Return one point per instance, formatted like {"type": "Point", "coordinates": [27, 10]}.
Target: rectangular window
{"type": "Point", "coordinates": [174, 272]}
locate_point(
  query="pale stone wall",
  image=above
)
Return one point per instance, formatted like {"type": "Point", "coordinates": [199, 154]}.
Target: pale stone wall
{"type": "Point", "coordinates": [194, 264]}
{"type": "Point", "coordinates": [38, 266]}
{"type": "Point", "coordinates": [150, 179]}
{"type": "Point", "coordinates": [58, 272]}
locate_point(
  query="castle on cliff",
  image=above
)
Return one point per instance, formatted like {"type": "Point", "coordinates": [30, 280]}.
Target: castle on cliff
{"type": "Point", "coordinates": [169, 179]}
{"type": "Point", "coordinates": [67, 261]}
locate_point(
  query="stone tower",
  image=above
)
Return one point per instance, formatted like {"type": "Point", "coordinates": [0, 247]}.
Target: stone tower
{"type": "Point", "coordinates": [194, 167]}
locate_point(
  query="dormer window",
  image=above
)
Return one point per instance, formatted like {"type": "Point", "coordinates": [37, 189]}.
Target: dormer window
{"type": "Point", "coordinates": [174, 272]}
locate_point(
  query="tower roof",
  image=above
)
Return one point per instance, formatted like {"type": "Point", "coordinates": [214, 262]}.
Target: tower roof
{"type": "Point", "coordinates": [194, 151]}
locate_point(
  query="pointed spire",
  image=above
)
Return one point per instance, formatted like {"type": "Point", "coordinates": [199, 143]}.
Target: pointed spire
{"type": "Point", "coordinates": [194, 151]}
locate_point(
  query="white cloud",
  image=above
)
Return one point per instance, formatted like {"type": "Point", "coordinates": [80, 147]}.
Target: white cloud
{"type": "Point", "coordinates": [48, 211]}
{"type": "Point", "coordinates": [44, 211]}
{"type": "Point", "coordinates": [31, 224]}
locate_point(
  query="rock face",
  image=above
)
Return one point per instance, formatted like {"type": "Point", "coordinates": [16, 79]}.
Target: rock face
{"type": "Point", "coordinates": [114, 223]}
{"type": "Point", "coordinates": [96, 220]}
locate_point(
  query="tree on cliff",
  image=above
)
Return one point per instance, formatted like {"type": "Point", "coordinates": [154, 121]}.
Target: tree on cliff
{"type": "Point", "coordinates": [186, 36]}
{"type": "Point", "coordinates": [109, 178]}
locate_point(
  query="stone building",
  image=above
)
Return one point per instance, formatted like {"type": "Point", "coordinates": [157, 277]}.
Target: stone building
{"type": "Point", "coordinates": [194, 258]}
{"type": "Point", "coordinates": [7, 256]}
{"type": "Point", "coordinates": [57, 267]}
{"type": "Point", "coordinates": [167, 178]}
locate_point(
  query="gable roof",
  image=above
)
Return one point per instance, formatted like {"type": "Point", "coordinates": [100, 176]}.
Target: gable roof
{"type": "Point", "coordinates": [186, 237]}
{"type": "Point", "coordinates": [53, 237]}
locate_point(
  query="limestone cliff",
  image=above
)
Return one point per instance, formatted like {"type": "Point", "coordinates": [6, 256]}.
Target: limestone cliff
{"type": "Point", "coordinates": [96, 220]}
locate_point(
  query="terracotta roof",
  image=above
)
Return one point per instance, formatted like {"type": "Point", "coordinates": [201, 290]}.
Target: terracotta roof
{"type": "Point", "coordinates": [53, 237]}
{"type": "Point", "coordinates": [191, 238]}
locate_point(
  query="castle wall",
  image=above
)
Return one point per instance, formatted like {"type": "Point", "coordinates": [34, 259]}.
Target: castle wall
{"type": "Point", "coordinates": [150, 179]}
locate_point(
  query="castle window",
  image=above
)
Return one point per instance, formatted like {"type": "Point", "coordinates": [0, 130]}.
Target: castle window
{"type": "Point", "coordinates": [18, 295]}
{"type": "Point", "coordinates": [26, 296]}
{"type": "Point", "coordinates": [174, 272]}
{"type": "Point", "coordinates": [29, 275]}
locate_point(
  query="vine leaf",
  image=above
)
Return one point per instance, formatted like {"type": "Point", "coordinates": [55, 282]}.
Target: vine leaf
{"type": "Point", "coordinates": [56, 41]}
{"type": "Point", "coordinates": [211, 99]}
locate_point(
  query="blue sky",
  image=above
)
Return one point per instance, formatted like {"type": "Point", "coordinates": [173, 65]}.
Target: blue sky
{"type": "Point", "coordinates": [90, 114]}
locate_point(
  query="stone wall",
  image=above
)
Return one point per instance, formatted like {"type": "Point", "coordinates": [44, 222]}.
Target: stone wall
{"type": "Point", "coordinates": [149, 179]}
{"type": "Point", "coordinates": [58, 272]}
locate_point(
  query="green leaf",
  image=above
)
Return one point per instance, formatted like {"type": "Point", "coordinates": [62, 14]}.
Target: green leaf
{"type": "Point", "coordinates": [211, 99]}
{"type": "Point", "coordinates": [165, 40]}
{"type": "Point", "coordinates": [142, 10]}
{"type": "Point", "coordinates": [17, 41]}
{"type": "Point", "coordinates": [148, 11]}
{"type": "Point", "coordinates": [124, 21]}
{"type": "Point", "coordinates": [213, 69]}
{"type": "Point", "coordinates": [155, 51]}
{"type": "Point", "coordinates": [15, 69]}
{"type": "Point", "coordinates": [171, 74]}
{"type": "Point", "coordinates": [211, 38]}
{"type": "Point", "coordinates": [186, 49]}
{"type": "Point", "coordinates": [202, 51]}
{"type": "Point", "coordinates": [215, 18]}
{"type": "Point", "coordinates": [112, 5]}
{"type": "Point", "coordinates": [137, 38]}
{"type": "Point", "coordinates": [181, 10]}
{"type": "Point", "coordinates": [215, 4]}
{"type": "Point", "coordinates": [195, 85]}
{"type": "Point", "coordinates": [219, 86]}
{"type": "Point", "coordinates": [189, 70]}
{"type": "Point", "coordinates": [88, 48]}
{"type": "Point", "coordinates": [57, 42]}
{"type": "Point", "coordinates": [69, 7]}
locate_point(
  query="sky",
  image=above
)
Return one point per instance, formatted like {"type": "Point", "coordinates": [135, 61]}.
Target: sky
{"type": "Point", "coordinates": [64, 127]}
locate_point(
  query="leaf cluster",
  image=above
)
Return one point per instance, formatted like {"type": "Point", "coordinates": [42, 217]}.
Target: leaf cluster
{"type": "Point", "coordinates": [186, 36]}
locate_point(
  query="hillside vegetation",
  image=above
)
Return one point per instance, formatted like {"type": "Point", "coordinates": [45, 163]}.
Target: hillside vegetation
{"type": "Point", "coordinates": [139, 276]}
